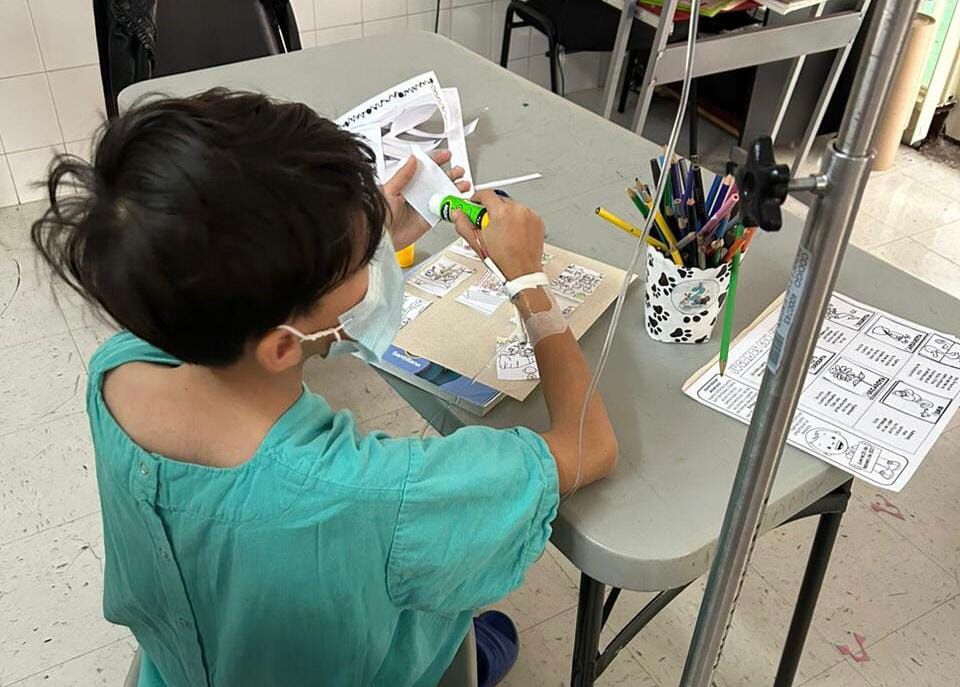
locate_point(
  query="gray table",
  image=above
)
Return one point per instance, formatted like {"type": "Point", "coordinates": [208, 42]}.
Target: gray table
{"type": "Point", "coordinates": [653, 525]}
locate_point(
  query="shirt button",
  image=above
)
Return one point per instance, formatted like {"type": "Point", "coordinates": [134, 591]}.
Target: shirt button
{"type": "Point", "coordinates": [144, 468]}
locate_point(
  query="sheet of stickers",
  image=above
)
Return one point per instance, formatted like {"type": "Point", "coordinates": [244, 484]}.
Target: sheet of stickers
{"type": "Point", "coordinates": [879, 389]}
{"type": "Point", "coordinates": [456, 314]}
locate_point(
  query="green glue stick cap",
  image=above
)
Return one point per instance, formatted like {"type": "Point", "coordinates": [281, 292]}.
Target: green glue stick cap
{"type": "Point", "coordinates": [444, 206]}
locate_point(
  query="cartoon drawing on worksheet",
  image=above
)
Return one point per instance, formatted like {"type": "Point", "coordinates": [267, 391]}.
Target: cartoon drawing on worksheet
{"type": "Point", "coordinates": [870, 460]}
{"type": "Point", "coordinates": [516, 360]}
{"type": "Point", "coordinates": [896, 334]}
{"type": "Point", "coordinates": [848, 315]}
{"type": "Point", "coordinates": [859, 380]}
{"type": "Point", "coordinates": [942, 350]}
{"type": "Point", "coordinates": [920, 404]}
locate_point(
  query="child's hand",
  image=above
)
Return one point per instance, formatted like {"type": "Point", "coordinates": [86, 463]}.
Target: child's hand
{"type": "Point", "coordinates": [513, 239]}
{"type": "Point", "coordinates": [405, 224]}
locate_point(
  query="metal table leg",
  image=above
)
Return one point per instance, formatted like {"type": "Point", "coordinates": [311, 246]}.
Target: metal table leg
{"type": "Point", "coordinates": [817, 562]}
{"type": "Point", "coordinates": [617, 56]}
{"type": "Point", "coordinates": [586, 642]}
{"type": "Point", "coordinates": [589, 661]}
{"type": "Point", "coordinates": [664, 28]}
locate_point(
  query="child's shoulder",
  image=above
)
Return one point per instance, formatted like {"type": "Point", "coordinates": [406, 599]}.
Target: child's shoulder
{"type": "Point", "coordinates": [124, 347]}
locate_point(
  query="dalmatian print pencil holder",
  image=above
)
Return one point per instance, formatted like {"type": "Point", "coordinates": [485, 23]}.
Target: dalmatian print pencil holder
{"type": "Point", "coordinates": [683, 303]}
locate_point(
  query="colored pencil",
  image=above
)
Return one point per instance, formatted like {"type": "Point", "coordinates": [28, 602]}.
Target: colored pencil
{"type": "Point", "coordinates": [630, 229]}
{"type": "Point", "coordinates": [728, 315]}
{"type": "Point", "coordinates": [714, 187]}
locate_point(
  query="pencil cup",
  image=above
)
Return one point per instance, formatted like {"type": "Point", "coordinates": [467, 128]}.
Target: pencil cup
{"type": "Point", "coordinates": [682, 303]}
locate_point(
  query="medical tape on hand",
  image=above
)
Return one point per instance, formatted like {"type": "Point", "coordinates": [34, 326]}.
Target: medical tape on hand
{"type": "Point", "coordinates": [540, 325]}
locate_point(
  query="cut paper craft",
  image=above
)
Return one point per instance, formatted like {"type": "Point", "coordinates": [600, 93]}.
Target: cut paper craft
{"type": "Point", "coordinates": [400, 111]}
{"type": "Point", "coordinates": [440, 276]}
{"type": "Point", "coordinates": [372, 137]}
{"type": "Point", "coordinates": [567, 305]}
{"type": "Point", "coordinates": [875, 398]}
{"type": "Point", "coordinates": [463, 339]}
{"type": "Point", "coordinates": [461, 247]}
{"type": "Point", "coordinates": [503, 183]}
{"type": "Point", "coordinates": [486, 295]}
{"type": "Point", "coordinates": [576, 282]}
{"type": "Point", "coordinates": [516, 361]}
{"type": "Point", "coordinates": [427, 181]}
{"type": "Point", "coordinates": [411, 309]}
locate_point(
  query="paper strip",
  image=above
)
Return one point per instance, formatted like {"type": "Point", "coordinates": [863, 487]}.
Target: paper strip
{"type": "Point", "coordinates": [507, 182]}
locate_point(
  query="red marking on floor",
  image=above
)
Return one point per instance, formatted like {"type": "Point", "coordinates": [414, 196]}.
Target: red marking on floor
{"type": "Point", "coordinates": [859, 656]}
{"type": "Point", "coordinates": [883, 505]}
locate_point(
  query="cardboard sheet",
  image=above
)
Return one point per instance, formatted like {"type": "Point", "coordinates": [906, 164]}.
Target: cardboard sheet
{"type": "Point", "coordinates": [464, 340]}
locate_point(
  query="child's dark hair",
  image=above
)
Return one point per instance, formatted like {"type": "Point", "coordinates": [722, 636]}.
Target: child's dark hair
{"type": "Point", "coordinates": [208, 220]}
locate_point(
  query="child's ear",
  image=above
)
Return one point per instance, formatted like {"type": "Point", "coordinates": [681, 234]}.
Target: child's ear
{"type": "Point", "coordinates": [278, 350]}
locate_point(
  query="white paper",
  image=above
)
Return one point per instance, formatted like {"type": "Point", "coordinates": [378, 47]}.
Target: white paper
{"type": "Point", "coordinates": [486, 295]}
{"type": "Point", "coordinates": [576, 282]}
{"type": "Point", "coordinates": [456, 136]}
{"type": "Point", "coordinates": [516, 360]}
{"type": "Point", "coordinates": [373, 138]}
{"type": "Point", "coordinates": [501, 183]}
{"type": "Point", "coordinates": [428, 180]}
{"type": "Point", "coordinates": [387, 105]}
{"type": "Point", "coordinates": [440, 276]}
{"type": "Point", "coordinates": [411, 309]}
{"type": "Point", "coordinates": [403, 108]}
{"type": "Point", "coordinates": [461, 247]}
{"type": "Point", "coordinates": [878, 393]}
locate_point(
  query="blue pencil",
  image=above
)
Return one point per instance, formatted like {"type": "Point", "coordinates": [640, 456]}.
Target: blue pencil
{"type": "Point", "coordinates": [721, 196]}
{"type": "Point", "coordinates": [714, 187]}
{"type": "Point", "coordinates": [723, 230]}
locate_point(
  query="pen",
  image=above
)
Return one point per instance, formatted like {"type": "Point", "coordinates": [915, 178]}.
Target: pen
{"type": "Point", "coordinates": [698, 193]}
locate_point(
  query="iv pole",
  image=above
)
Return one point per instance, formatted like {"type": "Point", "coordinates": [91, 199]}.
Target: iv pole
{"type": "Point", "coordinates": [838, 190]}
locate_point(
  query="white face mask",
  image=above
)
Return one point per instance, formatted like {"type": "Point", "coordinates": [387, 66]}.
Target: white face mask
{"type": "Point", "coordinates": [374, 321]}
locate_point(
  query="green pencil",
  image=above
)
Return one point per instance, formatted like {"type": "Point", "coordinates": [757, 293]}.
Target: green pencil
{"type": "Point", "coordinates": [641, 206]}
{"type": "Point", "coordinates": [728, 315]}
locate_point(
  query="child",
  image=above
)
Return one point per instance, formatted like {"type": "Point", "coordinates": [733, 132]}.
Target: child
{"type": "Point", "coordinates": [252, 535]}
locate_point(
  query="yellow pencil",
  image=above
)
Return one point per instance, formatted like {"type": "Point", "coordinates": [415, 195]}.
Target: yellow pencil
{"type": "Point", "coordinates": [630, 229]}
{"type": "Point", "coordinates": [667, 234]}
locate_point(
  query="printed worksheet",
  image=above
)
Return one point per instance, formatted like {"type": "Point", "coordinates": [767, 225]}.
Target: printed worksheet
{"type": "Point", "coordinates": [411, 309]}
{"type": "Point", "coordinates": [879, 389]}
{"type": "Point", "coordinates": [576, 282]}
{"type": "Point", "coordinates": [486, 295]}
{"type": "Point", "coordinates": [516, 360]}
{"type": "Point", "coordinates": [461, 247]}
{"type": "Point", "coordinates": [440, 276]}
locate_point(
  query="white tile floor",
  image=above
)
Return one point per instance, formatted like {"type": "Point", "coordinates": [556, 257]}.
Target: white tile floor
{"type": "Point", "coordinates": [892, 581]}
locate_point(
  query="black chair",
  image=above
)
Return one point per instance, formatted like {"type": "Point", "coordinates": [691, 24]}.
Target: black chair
{"type": "Point", "coordinates": [142, 39]}
{"type": "Point", "coordinates": [577, 26]}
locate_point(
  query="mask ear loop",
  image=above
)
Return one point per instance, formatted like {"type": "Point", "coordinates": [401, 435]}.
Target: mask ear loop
{"type": "Point", "coordinates": [316, 336]}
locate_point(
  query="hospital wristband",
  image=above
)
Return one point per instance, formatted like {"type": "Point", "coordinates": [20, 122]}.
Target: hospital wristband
{"type": "Point", "coordinates": [527, 281]}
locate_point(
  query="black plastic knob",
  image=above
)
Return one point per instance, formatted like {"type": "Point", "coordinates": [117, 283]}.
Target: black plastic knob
{"type": "Point", "coordinates": [763, 186]}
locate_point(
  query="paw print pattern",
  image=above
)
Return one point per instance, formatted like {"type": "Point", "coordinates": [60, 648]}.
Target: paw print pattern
{"type": "Point", "coordinates": [681, 335]}
{"type": "Point", "coordinates": [659, 313]}
{"type": "Point", "coordinates": [653, 326]}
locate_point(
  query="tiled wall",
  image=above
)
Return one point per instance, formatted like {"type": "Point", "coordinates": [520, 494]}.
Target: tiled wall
{"type": "Point", "coordinates": [51, 99]}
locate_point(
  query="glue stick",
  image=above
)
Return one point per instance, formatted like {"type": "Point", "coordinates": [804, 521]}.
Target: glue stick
{"type": "Point", "coordinates": [445, 205]}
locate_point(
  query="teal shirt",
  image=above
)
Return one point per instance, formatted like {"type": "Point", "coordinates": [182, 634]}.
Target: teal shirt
{"type": "Point", "coordinates": [328, 558]}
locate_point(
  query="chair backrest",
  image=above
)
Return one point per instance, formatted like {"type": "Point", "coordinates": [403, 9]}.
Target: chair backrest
{"type": "Point", "coordinates": [141, 39]}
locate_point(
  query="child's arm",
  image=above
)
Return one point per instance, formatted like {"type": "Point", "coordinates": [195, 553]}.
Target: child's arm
{"type": "Point", "coordinates": [514, 241]}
